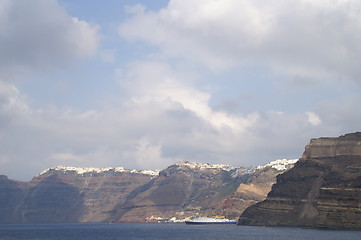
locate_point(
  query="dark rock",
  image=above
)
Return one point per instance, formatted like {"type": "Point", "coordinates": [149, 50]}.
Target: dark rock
{"type": "Point", "coordinates": [12, 194]}
{"type": "Point", "coordinates": [95, 193]}
{"type": "Point", "coordinates": [322, 190]}
{"type": "Point", "coordinates": [51, 200]}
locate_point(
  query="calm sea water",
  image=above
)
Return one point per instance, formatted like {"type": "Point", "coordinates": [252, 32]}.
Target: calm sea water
{"type": "Point", "coordinates": [152, 231]}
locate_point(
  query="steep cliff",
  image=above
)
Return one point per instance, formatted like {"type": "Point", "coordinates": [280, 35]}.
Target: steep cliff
{"type": "Point", "coordinates": [185, 189]}
{"type": "Point", "coordinates": [50, 200]}
{"type": "Point", "coordinates": [322, 190]}
{"type": "Point", "coordinates": [257, 187]}
{"type": "Point", "coordinates": [181, 190]}
{"type": "Point", "coordinates": [12, 194]}
{"type": "Point", "coordinates": [68, 194]}
{"type": "Point", "coordinates": [96, 191]}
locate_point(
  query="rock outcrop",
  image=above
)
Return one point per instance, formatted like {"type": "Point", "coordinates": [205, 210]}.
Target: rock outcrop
{"type": "Point", "coordinates": [323, 190]}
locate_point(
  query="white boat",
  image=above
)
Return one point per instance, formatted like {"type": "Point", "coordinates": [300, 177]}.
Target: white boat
{"type": "Point", "coordinates": [208, 220]}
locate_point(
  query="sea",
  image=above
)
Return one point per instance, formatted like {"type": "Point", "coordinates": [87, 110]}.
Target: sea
{"type": "Point", "coordinates": [151, 231]}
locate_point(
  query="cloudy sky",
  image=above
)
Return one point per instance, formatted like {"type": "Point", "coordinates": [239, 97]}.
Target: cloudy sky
{"type": "Point", "coordinates": [144, 84]}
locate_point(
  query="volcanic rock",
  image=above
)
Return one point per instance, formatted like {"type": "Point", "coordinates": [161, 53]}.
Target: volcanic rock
{"type": "Point", "coordinates": [323, 190]}
{"type": "Point", "coordinates": [12, 194]}
{"type": "Point", "coordinates": [183, 190]}
{"type": "Point", "coordinates": [187, 189]}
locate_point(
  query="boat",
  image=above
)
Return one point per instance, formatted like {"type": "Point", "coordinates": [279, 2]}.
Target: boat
{"type": "Point", "coordinates": [208, 220]}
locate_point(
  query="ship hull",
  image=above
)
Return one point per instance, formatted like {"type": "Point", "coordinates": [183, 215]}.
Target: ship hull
{"type": "Point", "coordinates": [205, 223]}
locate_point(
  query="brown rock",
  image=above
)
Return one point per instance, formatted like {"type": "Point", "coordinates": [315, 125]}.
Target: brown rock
{"type": "Point", "coordinates": [323, 190]}
{"type": "Point", "coordinates": [69, 194]}
{"type": "Point", "coordinates": [188, 189]}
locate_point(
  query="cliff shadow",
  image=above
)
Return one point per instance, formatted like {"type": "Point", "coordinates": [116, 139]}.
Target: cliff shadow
{"type": "Point", "coordinates": [51, 201]}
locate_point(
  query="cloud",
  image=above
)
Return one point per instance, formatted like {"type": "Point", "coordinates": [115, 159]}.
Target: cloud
{"type": "Point", "coordinates": [65, 157]}
{"type": "Point", "coordinates": [313, 118]}
{"type": "Point", "coordinates": [153, 127]}
{"type": "Point", "coordinates": [164, 114]}
{"type": "Point", "coordinates": [12, 103]}
{"type": "Point", "coordinates": [155, 81]}
{"type": "Point", "coordinates": [36, 35]}
{"type": "Point", "coordinates": [149, 156]}
{"type": "Point", "coordinates": [341, 116]}
{"type": "Point", "coordinates": [304, 39]}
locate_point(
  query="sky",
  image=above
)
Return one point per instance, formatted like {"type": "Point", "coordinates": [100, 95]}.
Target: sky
{"type": "Point", "coordinates": [145, 84]}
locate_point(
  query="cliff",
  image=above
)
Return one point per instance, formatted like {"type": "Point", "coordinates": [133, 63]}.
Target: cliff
{"type": "Point", "coordinates": [185, 189]}
{"type": "Point", "coordinates": [323, 190]}
{"type": "Point", "coordinates": [68, 194]}
{"type": "Point", "coordinates": [188, 189]}
{"type": "Point", "coordinates": [181, 190]}
{"type": "Point", "coordinates": [12, 194]}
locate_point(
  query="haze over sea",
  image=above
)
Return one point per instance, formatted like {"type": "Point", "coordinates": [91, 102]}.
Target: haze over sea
{"type": "Point", "coordinates": [151, 231]}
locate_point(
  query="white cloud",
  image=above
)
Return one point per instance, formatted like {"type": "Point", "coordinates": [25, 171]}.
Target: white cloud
{"type": "Point", "coordinates": [97, 156]}
{"type": "Point", "coordinates": [149, 156]}
{"type": "Point", "coordinates": [36, 35]}
{"type": "Point", "coordinates": [155, 81]}
{"type": "Point", "coordinates": [154, 132]}
{"type": "Point", "coordinates": [313, 118]}
{"type": "Point", "coordinates": [155, 127]}
{"type": "Point", "coordinates": [313, 39]}
{"type": "Point", "coordinates": [163, 116]}
{"type": "Point", "coordinates": [11, 101]}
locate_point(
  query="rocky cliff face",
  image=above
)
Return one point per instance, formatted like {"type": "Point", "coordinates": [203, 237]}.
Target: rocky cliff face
{"type": "Point", "coordinates": [50, 200]}
{"type": "Point", "coordinates": [181, 190]}
{"type": "Point", "coordinates": [188, 189]}
{"type": "Point", "coordinates": [258, 185]}
{"type": "Point", "coordinates": [69, 194]}
{"type": "Point", "coordinates": [83, 194]}
{"type": "Point", "coordinates": [323, 189]}
{"type": "Point", "coordinates": [12, 194]}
